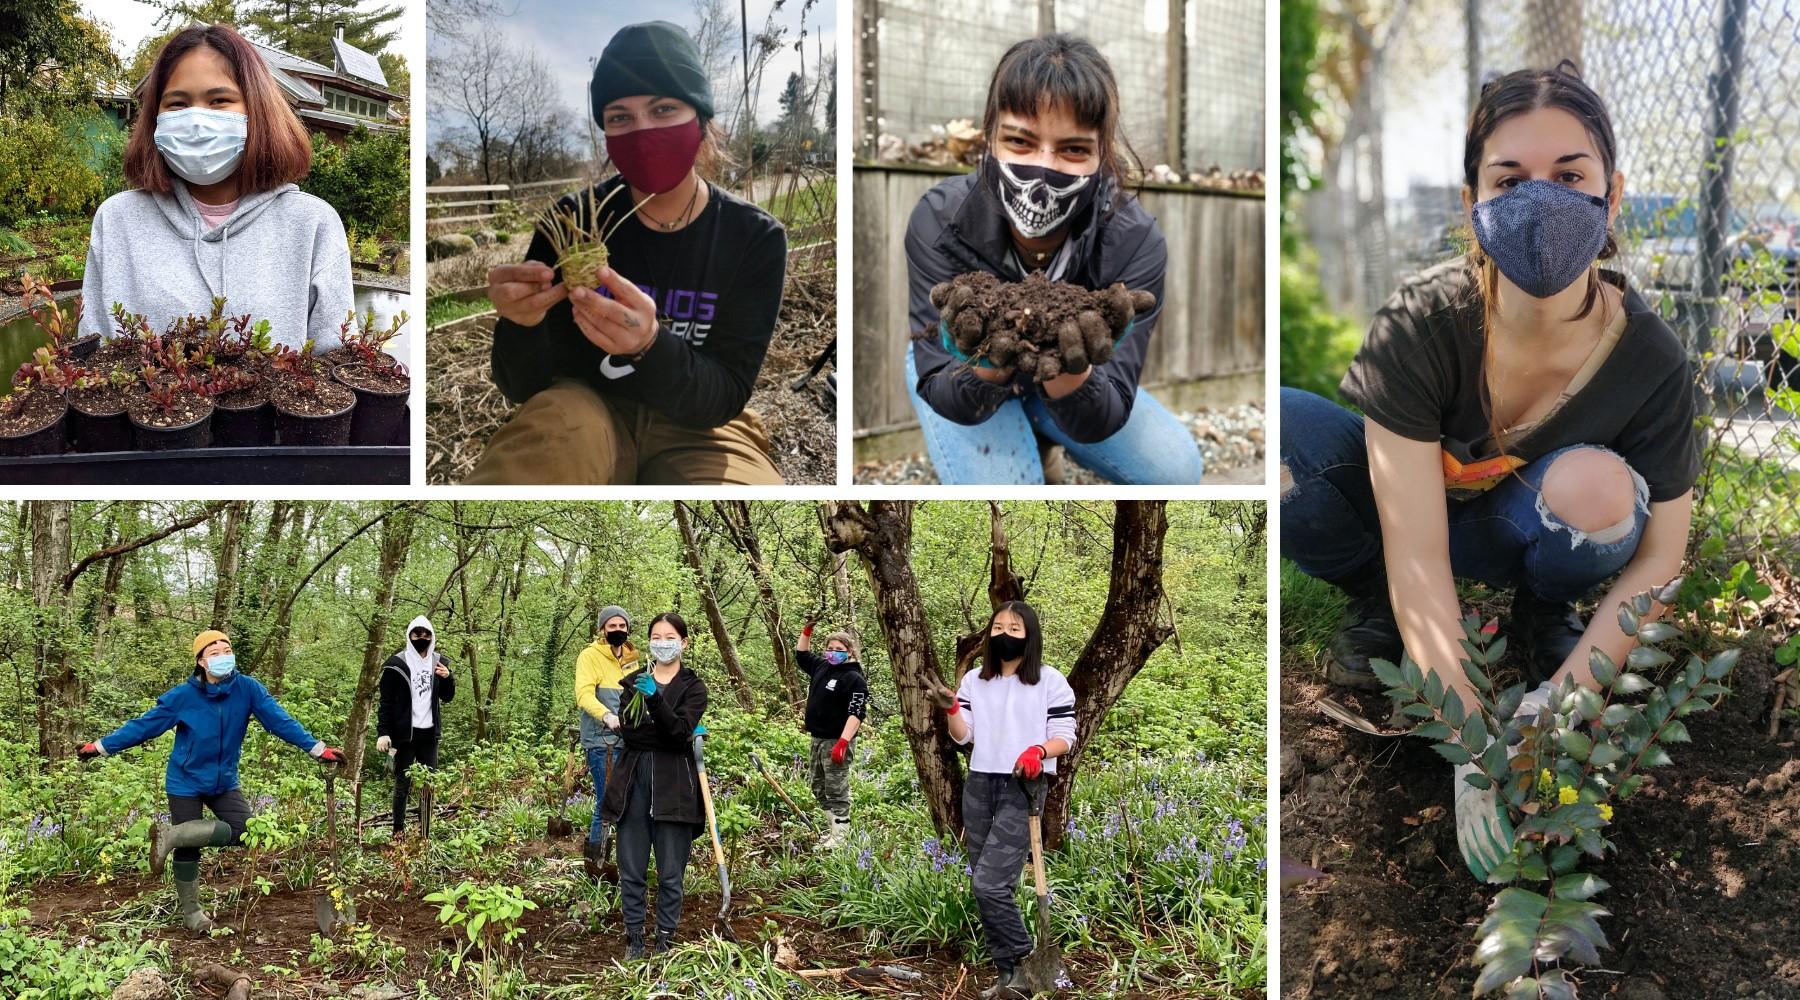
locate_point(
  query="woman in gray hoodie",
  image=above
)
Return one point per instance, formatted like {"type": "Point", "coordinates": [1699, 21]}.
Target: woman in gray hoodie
{"type": "Point", "coordinates": [214, 211]}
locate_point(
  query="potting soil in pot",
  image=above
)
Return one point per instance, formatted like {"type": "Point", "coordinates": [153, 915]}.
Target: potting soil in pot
{"type": "Point", "coordinates": [243, 418]}
{"type": "Point", "coordinates": [1044, 328]}
{"type": "Point", "coordinates": [32, 423]}
{"type": "Point", "coordinates": [97, 419]}
{"type": "Point", "coordinates": [315, 414]}
{"type": "Point", "coordinates": [184, 423]}
{"type": "Point", "coordinates": [380, 402]}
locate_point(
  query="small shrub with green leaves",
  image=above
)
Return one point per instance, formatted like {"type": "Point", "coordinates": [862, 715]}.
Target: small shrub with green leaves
{"type": "Point", "coordinates": [1556, 774]}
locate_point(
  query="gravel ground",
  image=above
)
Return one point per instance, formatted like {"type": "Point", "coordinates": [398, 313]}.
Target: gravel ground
{"type": "Point", "coordinates": [1231, 441]}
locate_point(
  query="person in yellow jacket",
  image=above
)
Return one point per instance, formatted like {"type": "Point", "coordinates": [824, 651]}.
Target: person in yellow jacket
{"type": "Point", "coordinates": [598, 670]}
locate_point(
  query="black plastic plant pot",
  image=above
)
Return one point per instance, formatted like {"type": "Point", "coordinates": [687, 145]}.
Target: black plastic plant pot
{"type": "Point", "coordinates": [197, 434]}
{"type": "Point", "coordinates": [50, 439]}
{"type": "Point", "coordinates": [331, 429]}
{"type": "Point", "coordinates": [379, 418]}
{"type": "Point", "coordinates": [243, 427]}
{"type": "Point", "coordinates": [85, 347]}
{"type": "Point", "coordinates": [103, 432]}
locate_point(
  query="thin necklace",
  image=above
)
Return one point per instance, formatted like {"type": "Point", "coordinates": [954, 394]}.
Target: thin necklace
{"type": "Point", "coordinates": [674, 223]}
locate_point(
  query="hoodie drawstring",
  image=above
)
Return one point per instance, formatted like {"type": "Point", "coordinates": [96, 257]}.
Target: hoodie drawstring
{"type": "Point", "coordinates": [224, 240]}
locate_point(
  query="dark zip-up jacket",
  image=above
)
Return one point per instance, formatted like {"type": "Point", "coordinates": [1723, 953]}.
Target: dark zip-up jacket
{"type": "Point", "coordinates": [663, 740]}
{"type": "Point", "coordinates": [835, 694]}
{"type": "Point", "coordinates": [958, 227]}
{"type": "Point", "coordinates": [394, 718]}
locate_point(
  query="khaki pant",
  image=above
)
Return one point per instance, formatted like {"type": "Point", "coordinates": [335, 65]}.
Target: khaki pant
{"type": "Point", "coordinates": [570, 434]}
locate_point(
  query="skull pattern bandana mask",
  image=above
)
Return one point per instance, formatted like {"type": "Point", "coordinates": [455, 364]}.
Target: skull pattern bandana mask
{"type": "Point", "coordinates": [1039, 200]}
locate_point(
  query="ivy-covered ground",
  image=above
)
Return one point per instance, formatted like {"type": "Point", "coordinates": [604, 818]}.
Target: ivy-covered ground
{"type": "Point", "coordinates": [1158, 890]}
{"type": "Point", "coordinates": [1704, 882]}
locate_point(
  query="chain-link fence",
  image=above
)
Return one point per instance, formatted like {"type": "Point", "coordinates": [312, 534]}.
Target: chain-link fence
{"type": "Point", "coordinates": [922, 64]}
{"type": "Point", "coordinates": [1705, 99]}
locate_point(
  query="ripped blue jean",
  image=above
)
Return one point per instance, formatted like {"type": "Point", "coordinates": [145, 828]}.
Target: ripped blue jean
{"type": "Point", "coordinates": [1505, 537]}
{"type": "Point", "coordinates": [1154, 448]}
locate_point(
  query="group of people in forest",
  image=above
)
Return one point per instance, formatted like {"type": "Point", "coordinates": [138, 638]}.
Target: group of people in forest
{"type": "Point", "coordinates": [639, 717]}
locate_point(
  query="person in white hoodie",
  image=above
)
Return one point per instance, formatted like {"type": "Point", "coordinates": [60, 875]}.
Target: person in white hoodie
{"type": "Point", "coordinates": [214, 212]}
{"type": "Point", "coordinates": [414, 682]}
{"type": "Point", "coordinates": [1020, 713]}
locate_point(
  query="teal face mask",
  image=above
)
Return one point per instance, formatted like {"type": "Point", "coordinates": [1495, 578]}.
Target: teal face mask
{"type": "Point", "coordinates": [221, 666]}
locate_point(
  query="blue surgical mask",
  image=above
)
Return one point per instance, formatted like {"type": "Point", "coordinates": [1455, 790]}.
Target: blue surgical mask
{"type": "Point", "coordinates": [203, 146]}
{"type": "Point", "coordinates": [665, 650]}
{"type": "Point", "coordinates": [221, 666]}
{"type": "Point", "coordinates": [836, 656]}
{"type": "Point", "coordinates": [1542, 235]}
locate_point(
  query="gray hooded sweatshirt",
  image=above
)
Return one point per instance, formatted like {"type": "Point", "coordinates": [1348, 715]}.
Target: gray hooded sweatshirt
{"type": "Point", "coordinates": [280, 257]}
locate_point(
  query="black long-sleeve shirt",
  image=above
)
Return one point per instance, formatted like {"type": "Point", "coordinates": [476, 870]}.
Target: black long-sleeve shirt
{"type": "Point", "coordinates": [959, 226]}
{"type": "Point", "coordinates": [718, 279]}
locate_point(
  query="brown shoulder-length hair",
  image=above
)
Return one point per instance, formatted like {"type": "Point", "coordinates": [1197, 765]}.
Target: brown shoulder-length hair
{"type": "Point", "coordinates": [277, 150]}
{"type": "Point", "coordinates": [1032, 667]}
{"type": "Point", "coordinates": [1066, 70]}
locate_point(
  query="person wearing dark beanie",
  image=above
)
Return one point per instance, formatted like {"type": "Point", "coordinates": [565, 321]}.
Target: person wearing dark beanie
{"type": "Point", "coordinates": [643, 379]}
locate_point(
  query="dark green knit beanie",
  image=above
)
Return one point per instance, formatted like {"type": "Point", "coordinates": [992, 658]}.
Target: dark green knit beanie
{"type": "Point", "coordinates": [652, 58]}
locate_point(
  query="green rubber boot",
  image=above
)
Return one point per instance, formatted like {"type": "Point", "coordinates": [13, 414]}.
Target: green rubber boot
{"type": "Point", "coordinates": [187, 890]}
{"type": "Point", "coordinates": [194, 833]}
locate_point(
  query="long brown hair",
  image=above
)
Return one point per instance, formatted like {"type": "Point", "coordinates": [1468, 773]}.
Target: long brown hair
{"type": "Point", "coordinates": [1063, 69]}
{"type": "Point", "coordinates": [277, 149]}
{"type": "Point", "coordinates": [1503, 98]}
{"type": "Point", "coordinates": [1032, 667]}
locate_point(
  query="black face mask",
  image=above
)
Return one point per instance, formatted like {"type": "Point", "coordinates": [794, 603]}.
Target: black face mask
{"type": "Point", "coordinates": [422, 644]}
{"type": "Point", "coordinates": [1038, 200]}
{"type": "Point", "coordinates": [1007, 647]}
{"type": "Point", "coordinates": [615, 639]}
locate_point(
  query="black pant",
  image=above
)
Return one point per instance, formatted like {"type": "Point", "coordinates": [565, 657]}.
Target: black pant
{"type": "Point", "coordinates": [229, 807]}
{"type": "Point", "coordinates": [673, 842]}
{"type": "Point", "coordinates": [423, 749]}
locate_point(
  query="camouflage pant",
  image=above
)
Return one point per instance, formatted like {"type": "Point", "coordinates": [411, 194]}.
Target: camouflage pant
{"type": "Point", "coordinates": [997, 833]}
{"type": "Point", "coordinates": [830, 782]}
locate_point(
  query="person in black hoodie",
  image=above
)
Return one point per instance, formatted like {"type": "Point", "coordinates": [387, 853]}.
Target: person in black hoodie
{"type": "Point", "coordinates": [1048, 196]}
{"type": "Point", "coordinates": [837, 701]}
{"type": "Point", "coordinates": [653, 792]}
{"type": "Point", "coordinates": [414, 682]}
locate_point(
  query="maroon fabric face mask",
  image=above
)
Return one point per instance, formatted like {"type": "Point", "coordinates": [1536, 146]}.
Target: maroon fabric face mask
{"type": "Point", "coordinates": [656, 160]}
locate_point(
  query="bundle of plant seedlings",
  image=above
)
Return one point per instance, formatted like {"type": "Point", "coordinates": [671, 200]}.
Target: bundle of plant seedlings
{"type": "Point", "coordinates": [1557, 773]}
{"type": "Point", "coordinates": [577, 235]}
{"type": "Point", "coordinates": [1043, 328]}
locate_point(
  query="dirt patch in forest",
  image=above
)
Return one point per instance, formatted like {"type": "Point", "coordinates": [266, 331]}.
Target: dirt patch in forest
{"type": "Point", "coordinates": [1705, 880]}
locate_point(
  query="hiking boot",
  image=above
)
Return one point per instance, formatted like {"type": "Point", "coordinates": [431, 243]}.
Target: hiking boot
{"type": "Point", "coordinates": [187, 893]}
{"type": "Point", "coordinates": [1545, 631]}
{"type": "Point", "coordinates": [194, 833]}
{"type": "Point", "coordinates": [1010, 985]}
{"type": "Point", "coordinates": [664, 942]}
{"type": "Point", "coordinates": [836, 834]}
{"type": "Point", "coordinates": [634, 945]}
{"type": "Point", "coordinates": [1368, 632]}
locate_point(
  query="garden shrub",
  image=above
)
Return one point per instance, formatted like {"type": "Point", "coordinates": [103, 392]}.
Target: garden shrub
{"type": "Point", "coordinates": [42, 169]}
{"type": "Point", "coordinates": [1316, 343]}
{"type": "Point", "coordinates": [365, 179]}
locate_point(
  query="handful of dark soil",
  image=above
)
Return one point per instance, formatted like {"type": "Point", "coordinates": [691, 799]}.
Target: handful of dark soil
{"type": "Point", "coordinates": [1042, 327]}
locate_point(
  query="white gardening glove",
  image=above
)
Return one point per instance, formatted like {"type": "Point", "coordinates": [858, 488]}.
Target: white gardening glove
{"type": "Point", "coordinates": [382, 744]}
{"type": "Point", "coordinates": [1483, 832]}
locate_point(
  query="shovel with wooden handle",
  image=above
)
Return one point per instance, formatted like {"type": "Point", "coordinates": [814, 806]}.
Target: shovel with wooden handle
{"type": "Point", "coordinates": [1043, 968]}
{"type": "Point", "coordinates": [805, 817]}
{"type": "Point", "coordinates": [712, 824]}
{"type": "Point", "coordinates": [330, 913]}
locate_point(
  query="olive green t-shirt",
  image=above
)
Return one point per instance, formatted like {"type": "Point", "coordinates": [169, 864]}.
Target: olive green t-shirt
{"type": "Point", "coordinates": [1418, 374]}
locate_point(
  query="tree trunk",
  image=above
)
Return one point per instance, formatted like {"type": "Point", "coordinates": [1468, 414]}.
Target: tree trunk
{"type": "Point", "coordinates": [565, 608]}
{"type": "Point", "coordinates": [304, 521]}
{"type": "Point", "coordinates": [727, 652]}
{"type": "Point", "coordinates": [1129, 630]}
{"type": "Point", "coordinates": [58, 688]}
{"type": "Point", "coordinates": [1003, 585]}
{"type": "Point", "coordinates": [231, 554]}
{"type": "Point", "coordinates": [882, 536]}
{"type": "Point", "coordinates": [736, 515]}
{"type": "Point", "coordinates": [396, 536]}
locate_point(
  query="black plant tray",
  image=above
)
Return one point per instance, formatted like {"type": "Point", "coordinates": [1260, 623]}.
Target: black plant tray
{"type": "Point", "coordinates": [276, 466]}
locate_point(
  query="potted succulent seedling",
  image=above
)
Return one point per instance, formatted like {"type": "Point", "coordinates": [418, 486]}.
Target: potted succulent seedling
{"type": "Point", "coordinates": [381, 383]}
{"type": "Point", "coordinates": [126, 345]}
{"type": "Point", "coordinates": [242, 416]}
{"type": "Point", "coordinates": [169, 411]}
{"type": "Point", "coordinates": [59, 326]}
{"type": "Point", "coordinates": [1557, 765]}
{"type": "Point", "coordinates": [578, 235]}
{"type": "Point", "coordinates": [32, 415]}
{"type": "Point", "coordinates": [309, 409]}
{"type": "Point", "coordinates": [97, 417]}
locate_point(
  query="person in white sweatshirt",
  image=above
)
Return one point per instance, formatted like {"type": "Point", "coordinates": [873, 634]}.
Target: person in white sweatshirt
{"type": "Point", "coordinates": [1020, 713]}
{"type": "Point", "coordinates": [415, 682]}
{"type": "Point", "coordinates": [214, 212]}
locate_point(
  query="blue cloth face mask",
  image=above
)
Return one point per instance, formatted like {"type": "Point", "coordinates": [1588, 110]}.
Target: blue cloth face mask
{"type": "Point", "coordinates": [836, 656]}
{"type": "Point", "coordinates": [1542, 235]}
{"type": "Point", "coordinates": [203, 146]}
{"type": "Point", "coordinates": [221, 666]}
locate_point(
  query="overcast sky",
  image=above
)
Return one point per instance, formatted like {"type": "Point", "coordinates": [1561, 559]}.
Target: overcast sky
{"type": "Point", "coordinates": [132, 21]}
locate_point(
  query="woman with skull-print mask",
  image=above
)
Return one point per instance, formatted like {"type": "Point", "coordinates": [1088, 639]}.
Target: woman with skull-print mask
{"type": "Point", "coordinates": [1527, 421]}
{"type": "Point", "coordinates": [1048, 197]}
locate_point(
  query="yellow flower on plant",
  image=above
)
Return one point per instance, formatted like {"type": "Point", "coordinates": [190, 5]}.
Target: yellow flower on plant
{"type": "Point", "coordinates": [1567, 796]}
{"type": "Point", "coordinates": [1605, 811]}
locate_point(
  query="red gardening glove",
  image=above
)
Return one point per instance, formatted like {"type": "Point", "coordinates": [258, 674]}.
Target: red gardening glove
{"type": "Point", "coordinates": [88, 751]}
{"type": "Point", "coordinates": [945, 699]}
{"type": "Point", "coordinates": [807, 630]}
{"type": "Point", "coordinates": [330, 756]}
{"type": "Point", "coordinates": [839, 751]}
{"type": "Point", "coordinates": [1030, 763]}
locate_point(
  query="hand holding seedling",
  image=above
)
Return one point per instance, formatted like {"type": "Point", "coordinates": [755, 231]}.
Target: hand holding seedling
{"type": "Point", "coordinates": [523, 293]}
{"type": "Point", "coordinates": [624, 325]}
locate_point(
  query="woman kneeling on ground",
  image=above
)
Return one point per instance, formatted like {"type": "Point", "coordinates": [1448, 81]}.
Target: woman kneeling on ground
{"type": "Point", "coordinates": [653, 792]}
{"type": "Point", "coordinates": [210, 713]}
{"type": "Point", "coordinates": [1020, 712]}
{"type": "Point", "coordinates": [645, 378]}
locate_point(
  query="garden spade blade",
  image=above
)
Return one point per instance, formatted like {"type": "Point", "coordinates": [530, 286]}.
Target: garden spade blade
{"type": "Point", "coordinates": [332, 915]}
{"type": "Point", "coordinates": [1338, 712]}
{"type": "Point", "coordinates": [425, 812]}
{"type": "Point", "coordinates": [1043, 968]}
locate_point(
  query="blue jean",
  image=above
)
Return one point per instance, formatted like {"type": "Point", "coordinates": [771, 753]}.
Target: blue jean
{"type": "Point", "coordinates": [1505, 537]}
{"type": "Point", "coordinates": [600, 761]}
{"type": "Point", "coordinates": [1152, 449]}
